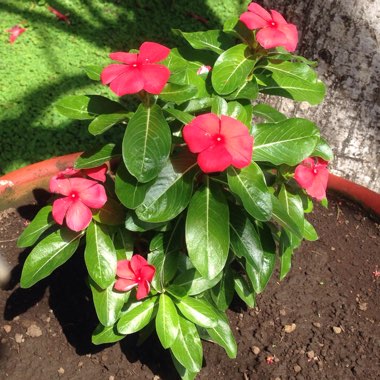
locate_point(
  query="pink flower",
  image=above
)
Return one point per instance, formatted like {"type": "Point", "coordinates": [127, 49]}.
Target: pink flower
{"type": "Point", "coordinates": [80, 195]}
{"type": "Point", "coordinates": [138, 71]}
{"type": "Point", "coordinates": [134, 272]}
{"type": "Point", "coordinates": [15, 31]}
{"type": "Point", "coordinates": [274, 30]}
{"type": "Point", "coordinates": [204, 70]}
{"type": "Point", "coordinates": [220, 142]}
{"type": "Point", "coordinates": [312, 175]}
{"type": "Point", "coordinates": [59, 15]}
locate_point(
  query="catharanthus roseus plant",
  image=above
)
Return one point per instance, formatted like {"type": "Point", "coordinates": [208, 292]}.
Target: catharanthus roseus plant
{"type": "Point", "coordinates": [206, 193]}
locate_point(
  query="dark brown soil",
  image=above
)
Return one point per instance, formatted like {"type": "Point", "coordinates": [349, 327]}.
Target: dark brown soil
{"type": "Point", "coordinates": [330, 300]}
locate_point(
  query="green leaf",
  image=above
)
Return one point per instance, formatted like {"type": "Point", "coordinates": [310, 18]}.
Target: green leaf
{"type": "Point", "coordinates": [187, 348]}
{"type": "Point", "coordinates": [106, 334]}
{"type": "Point", "coordinates": [123, 242]}
{"type": "Point", "coordinates": [260, 279]}
{"type": "Point", "coordinates": [192, 283]}
{"type": "Point", "coordinates": [134, 224]}
{"type": "Point", "coordinates": [171, 192]}
{"type": "Point", "coordinates": [222, 335]}
{"type": "Point", "coordinates": [146, 143]}
{"type": "Point", "coordinates": [323, 150]}
{"type": "Point", "coordinates": [183, 117]}
{"type": "Point", "coordinates": [244, 290]}
{"type": "Point", "coordinates": [197, 105]}
{"type": "Point", "coordinates": [41, 222]}
{"type": "Point", "coordinates": [104, 122]}
{"type": "Point", "coordinates": [249, 185]}
{"type": "Point", "coordinates": [293, 80]}
{"type": "Point", "coordinates": [182, 371]}
{"type": "Point", "coordinates": [247, 90]}
{"type": "Point", "coordinates": [286, 253]}
{"type": "Point", "coordinates": [219, 106]}
{"type": "Point", "coordinates": [223, 293]}
{"type": "Point", "coordinates": [238, 111]}
{"type": "Point", "coordinates": [232, 69]}
{"type": "Point", "coordinates": [167, 321]}
{"type": "Point", "coordinates": [197, 311]}
{"type": "Point", "coordinates": [138, 317]}
{"type": "Point", "coordinates": [93, 71]}
{"type": "Point", "coordinates": [245, 241]}
{"type": "Point", "coordinates": [268, 113]}
{"type": "Point", "coordinates": [178, 93]}
{"type": "Point", "coordinates": [108, 303]}
{"type": "Point", "coordinates": [100, 256]}
{"type": "Point", "coordinates": [130, 192]}
{"type": "Point", "coordinates": [213, 40]}
{"type": "Point", "coordinates": [48, 255]}
{"type": "Point", "coordinates": [96, 157]}
{"type": "Point", "coordinates": [309, 232]}
{"type": "Point", "coordinates": [111, 214]}
{"type": "Point", "coordinates": [207, 230]}
{"type": "Point", "coordinates": [84, 107]}
{"type": "Point", "coordinates": [238, 29]}
{"type": "Point", "coordinates": [286, 142]}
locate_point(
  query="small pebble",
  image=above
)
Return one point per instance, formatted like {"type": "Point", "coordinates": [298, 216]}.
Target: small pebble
{"type": "Point", "coordinates": [283, 312]}
{"type": "Point", "coordinates": [317, 325]}
{"type": "Point", "coordinates": [34, 331]}
{"type": "Point", "coordinates": [111, 378]}
{"type": "Point", "coordinates": [290, 328]}
{"type": "Point", "coordinates": [277, 378]}
{"type": "Point", "coordinates": [156, 377]}
{"type": "Point", "coordinates": [310, 354]}
{"type": "Point", "coordinates": [363, 306]}
{"type": "Point", "coordinates": [297, 368]}
{"type": "Point", "coordinates": [337, 330]}
{"type": "Point", "coordinates": [80, 364]}
{"type": "Point", "coordinates": [16, 318]}
{"type": "Point", "coordinates": [7, 328]}
{"type": "Point", "coordinates": [255, 350]}
{"type": "Point", "coordinates": [61, 371]}
{"type": "Point", "coordinates": [19, 338]}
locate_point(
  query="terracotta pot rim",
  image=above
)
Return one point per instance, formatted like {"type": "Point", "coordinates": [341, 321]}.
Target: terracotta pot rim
{"type": "Point", "coordinates": [17, 186]}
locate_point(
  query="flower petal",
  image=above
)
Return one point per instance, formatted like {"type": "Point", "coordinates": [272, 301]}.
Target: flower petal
{"type": "Point", "coordinates": [129, 58]}
{"type": "Point", "coordinates": [124, 285]}
{"type": "Point", "coordinates": [291, 34]}
{"type": "Point", "coordinates": [60, 207]}
{"type": "Point", "coordinates": [94, 197]}
{"type": "Point", "coordinates": [252, 21]}
{"type": "Point", "coordinates": [271, 37]}
{"type": "Point", "coordinates": [147, 272]}
{"type": "Point", "coordinates": [60, 186]}
{"type": "Point", "coordinates": [259, 11]}
{"type": "Point", "coordinates": [111, 72]}
{"type": "Point", "coordinates": [214, 159]}
{"type": "Point", "coordinates": [277, 17]}
{"type": "Point", "coordinates": [137, 262]}
{"type": "Point", "coordinates": [78, 216]}
{"type": "Point", "coordinates": [317, 189]}
{"type": "Point", "coordinates": [198, 134]}
{"type": "Point", "coordinates": [155, 77]}
{"type": "Point", "coordinates": [143, 290]}
{"type": "Point", "coordinates": [124, 269]}
{"type": "Point", "coordinates": [304, 175]}
{"type": "Point", "coordinates": [98, 173]}
{"type": "Point", "coordinates": [240, 149]}
{"type": "Point", "coordinates": [152, 52]}
{"type": "Point", "coordinates": [129, 82]}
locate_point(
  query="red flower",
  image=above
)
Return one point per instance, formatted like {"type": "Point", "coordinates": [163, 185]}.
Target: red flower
{"type": "Point", "coordinates": [15, 31]}
{"type": "Point", "coordinates": [59, 15]}
{"type": "Point", "coordinates": [220, 142]}
{"type": "Point", "coordinates": [312, 175]}
{"type": "Point", "coordinates": [80, 195]}
{"type": "Point", "coordinates": [274, 30]}
{"type": "Point", "coordinates": [138, 71]}
{"type": "Point", "coordinates": [134, 272]}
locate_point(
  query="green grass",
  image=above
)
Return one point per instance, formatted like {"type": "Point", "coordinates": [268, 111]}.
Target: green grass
{"type": "Point", "coordinates": [45, 63]}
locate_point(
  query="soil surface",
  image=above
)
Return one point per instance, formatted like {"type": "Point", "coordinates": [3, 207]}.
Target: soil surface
{"type": "Point", "coordinates": [321, 322]}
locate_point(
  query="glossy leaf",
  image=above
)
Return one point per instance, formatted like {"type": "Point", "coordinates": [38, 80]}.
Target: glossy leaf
{"type": "Point", "coordinates": [223, 293]}
{"type": "Point", "coordinates": [41, 222]}
{"type": "Point", "coordinates": [286, 142]}
{"type": "Point", "coordinates": [111, 214]}
{"type": "Point", "coordinates": [197, 105]}
{"type": "Point", "coordinates": [123, 242]}
{"type": "Point", "coordinates": [167, 321]}
{"type": "Point", "coordinates": [100, 255]}
{"type": "Point", "coordinates": [97, 157]}
{"type": "Point", "coordinates": [309, 232]}
{"type": "Point", "coordinates": [93, 71]}
{"type": "Point", "coordinates": [130, 192]}
{"type": "Point", "coordinates": [197, 311]}
{"type": "Point", "coordinates": [146, 143]}
{"type": "Point", "coordinates": [108, 303]}
{"type": "Point", "coordinates": [183, 117]}
{"type": "Point", "coordinates": [245, 241]}
{"type": "Point", "coordinates": [207, 230]}
{"type": "Point", "coordinates": [247, 90]}
{"type": "Point", "coordinates": [294, 80]}
{"type": "Point", "coordinates": [323, 150]}
{"type": "Point", "coordinates": [48, 255]}
{"type": "Point", "coordinates": [249, 185]}
{"type": "Point", "coordinates": [187, 348]}
{"type": "Point", "coordinates": [178, 93]}
{"type": "Point", "coordinates": [138, 317]}
{"type": "Point", "coordinates": [219, 106]}
{"type": "Point", "coordinates": [286, 253]}
{"type": "Point", "coordinates": [105, 334]}
{"type": "Point", "coordinates": [238, 29]}
{"type": "Point", "coordinates": [268, 113]}
{"type": "Point", "coordinates": [222, 335]}
{"type": "Point", "coordinates": [182, 371]}
{"type": "Point", "coordinates": [171, 192]}
{"type": "Point", "coordinates": [84, 107]}
{"type": "Point", "coordinates": [232, 68]}
{"type": "Point", "coordinates": [244, 290]}
{"type": "Point", "coordinates": [104, 122]}
{"type": "Point", "coordinates": [134, 224]}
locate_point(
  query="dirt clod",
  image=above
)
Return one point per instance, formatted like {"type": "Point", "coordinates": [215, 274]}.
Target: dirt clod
{"type": "Point", "coordinates": [7, 328]}
{"type": "Point", "coordinates": [34, 331]}
{"type": "Point", "coordinates": [290, 328]}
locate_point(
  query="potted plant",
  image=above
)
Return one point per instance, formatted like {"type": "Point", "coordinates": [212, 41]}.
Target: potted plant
{"type": "Point", "coordinates": [197, 202]}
